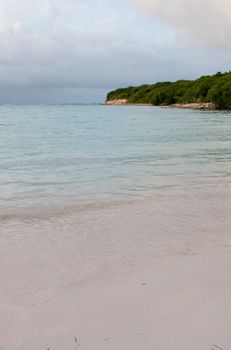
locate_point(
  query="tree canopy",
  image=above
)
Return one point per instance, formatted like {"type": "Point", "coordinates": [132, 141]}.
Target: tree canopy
{"type": "Point", "coordinates": [215, 89]}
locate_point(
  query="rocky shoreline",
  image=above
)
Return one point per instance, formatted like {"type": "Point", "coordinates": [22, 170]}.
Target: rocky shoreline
{"type": "Point", "coordinates": [124, 102]}
{"type": "Point", "coordinates": [116, 102]}
{"type": "Point", "coordinates": [207, 105]}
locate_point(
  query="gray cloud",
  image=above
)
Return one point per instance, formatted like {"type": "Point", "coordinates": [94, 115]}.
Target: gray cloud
{"type": "Point", "coordinates": [206, 22]}
{"type": "Point", "coordinates": [53, 50]}
{"type": "Point", "coordinates": [69, 44]}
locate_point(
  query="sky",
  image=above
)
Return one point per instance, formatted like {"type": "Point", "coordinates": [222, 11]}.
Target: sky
{"type": "Point", "coordinates": [71, 51]}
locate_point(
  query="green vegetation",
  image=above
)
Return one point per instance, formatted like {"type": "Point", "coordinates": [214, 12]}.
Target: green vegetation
{"type": "Point", "coordinates": [215, 89]}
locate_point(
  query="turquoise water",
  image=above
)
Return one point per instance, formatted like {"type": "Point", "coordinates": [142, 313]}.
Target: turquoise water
{"type": "Point", "coordinates": [62, 154]}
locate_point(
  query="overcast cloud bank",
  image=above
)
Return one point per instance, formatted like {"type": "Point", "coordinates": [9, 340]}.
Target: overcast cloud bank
{"type": "Point", "coordinates": [66, 45]}
{"type": "Point", "coordinates": [206, 22]}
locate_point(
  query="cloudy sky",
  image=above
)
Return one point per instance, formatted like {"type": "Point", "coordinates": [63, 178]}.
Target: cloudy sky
{"type": "Point", "coordinates": [77, 50]}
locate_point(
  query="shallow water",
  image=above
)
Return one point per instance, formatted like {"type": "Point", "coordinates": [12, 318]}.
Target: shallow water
{"type": "Point", "coordinates": [125, 191]}
{"type": "Point", "coordinates": [58, 155]}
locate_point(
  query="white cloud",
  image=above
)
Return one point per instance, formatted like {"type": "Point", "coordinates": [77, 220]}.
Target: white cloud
{"type": "Point", "coordinates": [195, 21]}
{"type": "Point", "coordinates": [72, 43]}
{"type": "Point", "coordinates": [26, 16]}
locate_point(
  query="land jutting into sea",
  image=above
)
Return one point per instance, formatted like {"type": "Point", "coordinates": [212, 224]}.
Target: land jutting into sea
{"type": "Point", "coordinates": [207, 92]}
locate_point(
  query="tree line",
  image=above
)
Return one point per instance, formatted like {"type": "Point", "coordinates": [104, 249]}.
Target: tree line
{"type": "Point", "coordinates": [215, 89]}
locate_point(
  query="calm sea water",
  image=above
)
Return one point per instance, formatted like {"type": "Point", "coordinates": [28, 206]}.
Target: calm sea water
{"type": "Point", "coordinates": [62, 154]}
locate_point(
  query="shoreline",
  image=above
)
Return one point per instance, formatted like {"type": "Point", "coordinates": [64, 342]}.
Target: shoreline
{"type": "Point", "coordinates": [206, 106]}
{"type": "Point", "coordinates": [124, 103]}
{"type": "Point", "coordinates": [146, 275]}
{"type": "Point", "coordinates": [195, 106]}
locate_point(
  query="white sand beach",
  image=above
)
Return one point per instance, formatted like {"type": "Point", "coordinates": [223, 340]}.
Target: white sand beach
{"type": "Point", "coordinates": [148, 274]}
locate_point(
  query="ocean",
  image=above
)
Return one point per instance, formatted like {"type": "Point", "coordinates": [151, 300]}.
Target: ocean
{"type": "Point", "coordinates": [114, 227]}
{"type": "Point", "coordinates": [53, 156]}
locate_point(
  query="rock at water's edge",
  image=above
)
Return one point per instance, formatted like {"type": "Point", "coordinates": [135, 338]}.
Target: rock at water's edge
{"type": "Point", "coordinates": [121, 101]}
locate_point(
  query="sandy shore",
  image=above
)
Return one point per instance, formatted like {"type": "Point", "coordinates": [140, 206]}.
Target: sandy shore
{"type": "Point", "coordinates": [153, 274]}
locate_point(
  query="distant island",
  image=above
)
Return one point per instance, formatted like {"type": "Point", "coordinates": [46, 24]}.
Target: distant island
{"type": "Point", "coordinates": [207, 92]}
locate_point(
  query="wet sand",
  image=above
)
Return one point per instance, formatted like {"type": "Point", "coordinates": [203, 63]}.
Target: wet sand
{"type": "Point", "coordinates": [147, 274]}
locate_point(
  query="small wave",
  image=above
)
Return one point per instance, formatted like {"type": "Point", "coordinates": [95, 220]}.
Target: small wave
{"type": "Point", "coordinates": [56, 211]}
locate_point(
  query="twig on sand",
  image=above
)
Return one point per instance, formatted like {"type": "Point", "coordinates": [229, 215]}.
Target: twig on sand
{"type": "Point", "coordinates": [217, 347]}
{"type": "Point", "coordinates": [77, 344]}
